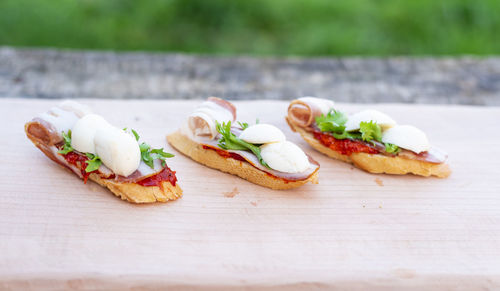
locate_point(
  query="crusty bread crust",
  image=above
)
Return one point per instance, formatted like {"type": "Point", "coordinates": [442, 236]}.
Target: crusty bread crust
{"type": "Point", "coordinates": [241, 169]}
{"type": "Point", "coordinates": [136, 193]}
{"type": "Point", "coordinates": [375, 163]}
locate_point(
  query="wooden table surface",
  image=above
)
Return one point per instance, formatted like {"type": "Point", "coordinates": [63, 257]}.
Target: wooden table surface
{"type": "Point", "coordinates": [353, 230]}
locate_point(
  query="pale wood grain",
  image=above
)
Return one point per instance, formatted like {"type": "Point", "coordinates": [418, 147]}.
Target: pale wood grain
{"type": "Point", "coordinates": [346, 232]}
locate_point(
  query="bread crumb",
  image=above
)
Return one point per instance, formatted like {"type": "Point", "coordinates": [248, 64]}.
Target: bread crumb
{"type": "Point", "coordinates": [254, 203]}
{"type": "Point", "coordinates": [405, 273]}
{"type": "Point", "coordinates": [379, 182]}
{"type": "Point", "coordinates": [232, 193]}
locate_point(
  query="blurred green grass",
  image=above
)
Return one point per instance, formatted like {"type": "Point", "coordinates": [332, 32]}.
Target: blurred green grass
{"type": "Point", "coordinates": [257, 27]}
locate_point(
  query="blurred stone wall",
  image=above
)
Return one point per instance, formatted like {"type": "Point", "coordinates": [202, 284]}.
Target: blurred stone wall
{"type": "Point", "coordinates": [45, 73]}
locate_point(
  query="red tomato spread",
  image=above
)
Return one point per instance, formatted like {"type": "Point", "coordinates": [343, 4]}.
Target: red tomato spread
{"type": "Point", "coordinates": [343, 146]}
{"type": "Point", "coordinates": [165, 175]}
{"type": "Point", "coordinates": [79, 161]}
{"type": "Point", "coordinates": [225, 154]}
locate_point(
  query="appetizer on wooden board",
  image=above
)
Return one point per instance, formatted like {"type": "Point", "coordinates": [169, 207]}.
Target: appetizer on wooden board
{"type": "Point", "coordinates": [258, 153]}
{"type": "Point", "coordinates": [85, 143]}
{"type": "Point", "coordinates": [369, 139]}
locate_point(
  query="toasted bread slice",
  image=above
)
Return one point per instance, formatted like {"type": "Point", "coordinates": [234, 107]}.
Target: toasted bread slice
{"type": "Point", "coordinates": [241, 169]}
{"type": "Point", "coordinates": [376, 163]}
{"type": "Point", "coordinates": [135, 193]}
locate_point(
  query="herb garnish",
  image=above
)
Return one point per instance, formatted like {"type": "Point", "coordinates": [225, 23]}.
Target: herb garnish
{"type": "Point", "coordinates": [67, 143]}
{"type": "Point", "coordinates": [370, 131]}
{"type": "Point", "coordinates": [94, 161]}
{"type": "Point", "coordinates": [243, 125]}
{"type": "Point", "coordinates": [229, 141]}
{"type": "Point", "coordinates": [334, 122]}
{"type": "Point", "coordinates": [391, 148]}
{"type": "Point", "coordinates": [93, 164]}
{"type": "Point", "coordinates": [148, 155]}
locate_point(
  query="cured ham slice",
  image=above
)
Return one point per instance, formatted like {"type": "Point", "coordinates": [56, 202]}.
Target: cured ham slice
{"type": "Point", "coordinates": [303, 111]}
{"type": "Point", "coordinates": [433, 155]}
{"type": "Point", "coordinates": [202, 121]}
{"type": "Point", "coordinates": [144, 171]}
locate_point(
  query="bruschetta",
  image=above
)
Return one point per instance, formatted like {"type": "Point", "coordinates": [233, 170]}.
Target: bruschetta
{"type": "Point", "coordinates": [86, 144]}
{"type": "Point", "coordinates": [258, 153]}
{"type": "Point", "coordinates": [370, 139]}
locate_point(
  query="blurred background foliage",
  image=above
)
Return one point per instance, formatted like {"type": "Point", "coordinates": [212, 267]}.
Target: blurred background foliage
{"type": "Point", "coordinates": [257, 27]}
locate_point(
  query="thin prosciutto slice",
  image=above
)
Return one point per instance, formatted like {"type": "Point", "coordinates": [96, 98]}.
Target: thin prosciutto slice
{"type": "Point", "coordinates": [201, 122]}
{"type": "Point", "coordinates": [45, 131]}
{"type": "Point", "coordinates": [302, 113]}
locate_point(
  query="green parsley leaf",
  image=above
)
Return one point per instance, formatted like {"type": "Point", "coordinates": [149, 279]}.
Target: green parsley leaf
{"type": "Point", "coordinates": [144, 147]}
{"type": "Point", "coordinates": [243, 125]}
{"type": "Point", "coordinates": [93, 163]}
{"type": "Point", "coordinates": [346, 134]}
{"type": "Point", "coordinates": [67, 143]}
{"type": "Point", "coordinates": [161, 153]}
{"type": "Point", "coordinates": [391, 148]}
{"type": "Point", "coordinates": [135, 134]}
{"type": "Point", "coordinates": [229, 141]}
{"type": "Point", "coordinates": [370, 131]}
{"type": "Point", "coordinates": [333, 121]}
{"type": "Point", "coordinates": [148, 155]}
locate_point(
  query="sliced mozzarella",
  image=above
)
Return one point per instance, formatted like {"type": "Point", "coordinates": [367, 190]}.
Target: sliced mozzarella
{"type": "Point", "coordinates": [407, 137]}
{"type": "Point", "coordinates": [380, 118]}
{"type": "Point", "coordinates": [262, 133]}
{"type": "Point", "coordinates": [83, 132]}
{"type": "Point", "coordinates": [284, 157]}
{"type": "Point", "coordinates": [118, 150]}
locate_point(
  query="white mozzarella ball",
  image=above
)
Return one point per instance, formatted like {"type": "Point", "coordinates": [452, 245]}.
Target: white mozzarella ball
{"type": "Point", "coordinates": [407, 137]}
{"type": "Point", "coordinates": [284, 157]}
{"type": "Point", "coordinates": [83, 132]}
{"type": "Point", "coordinates": [262, 133]}
{"type": "Point", "coordinates": [380, 118]}
{"type": "Point", "coordinates": [118, 150]}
